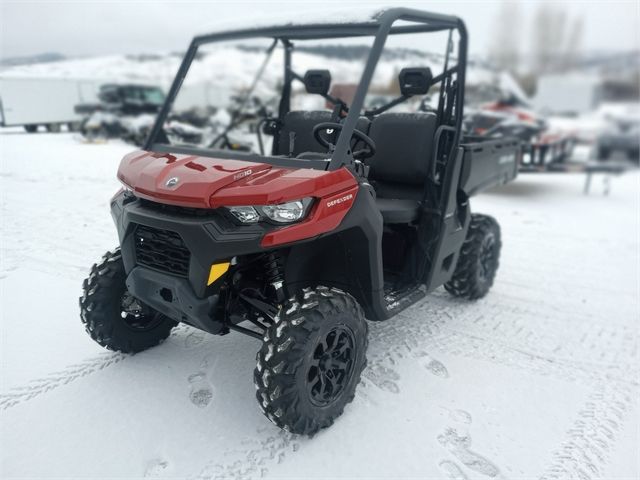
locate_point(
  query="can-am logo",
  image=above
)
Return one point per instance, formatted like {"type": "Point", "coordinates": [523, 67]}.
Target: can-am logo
{"type": "Point", "coordinates": [172, 182]}
{"type": "Point", "coordinates": [240, 175]}
{"type": "Point", "coordinates": [338, 201]}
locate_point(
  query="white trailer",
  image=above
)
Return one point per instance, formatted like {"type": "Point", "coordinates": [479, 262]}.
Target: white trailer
{"type": "Point", "coordinates": [568, 94]}
{"type": "Point", "coordinates": [48, 102]}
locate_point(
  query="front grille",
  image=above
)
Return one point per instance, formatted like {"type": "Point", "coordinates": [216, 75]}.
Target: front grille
{"type": "Point", "coordinates": [161, 250]}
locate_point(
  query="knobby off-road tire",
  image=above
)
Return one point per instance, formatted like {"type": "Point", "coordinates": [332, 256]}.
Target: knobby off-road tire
{"type": "Point", "coordinates": [311, 360]}
{"type": "Point", "coordinates": [115, 319]}
{"type": "Point", "coordinates": [478, 261]}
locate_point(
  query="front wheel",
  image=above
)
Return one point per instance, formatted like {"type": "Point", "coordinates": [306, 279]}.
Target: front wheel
{"type": "Point", "coordinates": [478, 261]}
{"type": "Point", "coordinates": [311, 360]}
{"type": "Point", "coordinates": [113, 317]}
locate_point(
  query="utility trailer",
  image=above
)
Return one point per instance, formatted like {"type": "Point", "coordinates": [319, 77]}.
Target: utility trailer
{"type": "Point", "coordinates": [48, 102]}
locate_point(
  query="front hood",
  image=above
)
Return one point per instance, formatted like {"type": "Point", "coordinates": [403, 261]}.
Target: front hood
{"type": "Point", "coordinates": [203, 182]}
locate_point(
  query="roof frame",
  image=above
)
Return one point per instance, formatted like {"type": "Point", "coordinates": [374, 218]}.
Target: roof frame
{"type": "Point", "coordinates": [379, 27]}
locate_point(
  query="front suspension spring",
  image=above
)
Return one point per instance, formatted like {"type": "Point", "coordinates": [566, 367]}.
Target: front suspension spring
{"type": "Point", "coordinates": [274, 274]}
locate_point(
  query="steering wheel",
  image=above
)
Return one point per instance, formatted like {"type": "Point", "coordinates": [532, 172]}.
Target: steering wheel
{"type": "Point", "coordinates": [368, 151]}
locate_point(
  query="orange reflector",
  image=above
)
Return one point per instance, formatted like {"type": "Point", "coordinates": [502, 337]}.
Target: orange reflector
{"type": "Point", "coordinates": [217, 270]}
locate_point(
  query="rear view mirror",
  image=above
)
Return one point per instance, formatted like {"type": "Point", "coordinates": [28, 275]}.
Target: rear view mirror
{"type": "Point", "coordinates": [317, 81]}
{"type": "Point", "coordinates": [415, 81]}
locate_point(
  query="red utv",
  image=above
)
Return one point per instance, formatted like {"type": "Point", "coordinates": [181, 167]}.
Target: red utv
{"type": "Point", "coordinates": [354, 214]}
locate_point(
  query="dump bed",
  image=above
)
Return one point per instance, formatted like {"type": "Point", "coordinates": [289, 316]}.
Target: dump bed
{"type": "Point", "coordinates": [489, 162]}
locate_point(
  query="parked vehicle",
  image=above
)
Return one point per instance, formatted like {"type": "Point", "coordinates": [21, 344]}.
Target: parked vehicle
{"type": "Point", "coordinates": [620, 132]}
{"type": "Point", "coordinates": [47, 102]}
{"type": "Point", "coordinates": [124, 111]}
{"type": "Point", "coordinates": [352, 215]}
{"type": "Point", "coordinates": [544, 150]}
{"type": "Point", "coordinates": [623, 137]}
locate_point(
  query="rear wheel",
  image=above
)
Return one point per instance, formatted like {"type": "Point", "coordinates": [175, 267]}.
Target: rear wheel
{"type": "Point", "coordinates": [53, 127]}
{"type": "Point", "coordinates": [311, 360]}
{"type": "Point", "coordinates": [113, 317]}
{"type": "Point", "coordinates": [31, 128]}
{"type": "Point", "coordinates": [478, 261]}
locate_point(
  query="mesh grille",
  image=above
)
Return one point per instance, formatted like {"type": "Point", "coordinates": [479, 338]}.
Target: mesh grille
{"type": "Point", "coordinates": [162, 250]}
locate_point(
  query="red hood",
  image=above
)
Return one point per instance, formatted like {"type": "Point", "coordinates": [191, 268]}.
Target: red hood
{"type": "Point", "coordinates": [205, 182]}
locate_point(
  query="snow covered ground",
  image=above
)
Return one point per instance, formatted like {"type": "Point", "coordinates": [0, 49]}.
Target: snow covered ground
{"type": "Point", "coordinates": [537, 380]}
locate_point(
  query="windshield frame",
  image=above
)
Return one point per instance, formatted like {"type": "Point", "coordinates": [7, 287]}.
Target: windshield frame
{"type": "Point", "coordinates": [379, 27]}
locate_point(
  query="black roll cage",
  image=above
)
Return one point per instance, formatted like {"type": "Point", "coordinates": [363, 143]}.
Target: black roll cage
{"type": "Point", "coordinates": [380, 27]}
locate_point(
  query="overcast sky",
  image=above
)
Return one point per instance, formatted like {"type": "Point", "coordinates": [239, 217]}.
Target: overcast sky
{"type": "Point", "coordinates": [85, 28]}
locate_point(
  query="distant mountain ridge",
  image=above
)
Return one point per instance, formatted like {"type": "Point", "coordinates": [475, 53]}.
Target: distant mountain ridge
{"type": "Point", "coordinates": [46, 57]}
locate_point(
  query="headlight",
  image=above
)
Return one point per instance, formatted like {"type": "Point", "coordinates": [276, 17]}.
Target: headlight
{"type": "Point", "coordinates": [245, 214]}
{"type": "Point", "coordinates": [288, 212]}
{"type": "Point", "coordinates": [285, 212]}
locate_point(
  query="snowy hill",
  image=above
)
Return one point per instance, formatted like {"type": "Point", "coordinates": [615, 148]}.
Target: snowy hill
{"type": "Point", "coordinates": [236, 65]}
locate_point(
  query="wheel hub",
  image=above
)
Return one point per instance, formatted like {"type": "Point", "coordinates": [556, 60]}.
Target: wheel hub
{"type": "Point", "coordinates": [136, 315]}
{"type": "Point", "coordinates": [331, 366]}
{"type": "Point", "coordinates": [487, 256]}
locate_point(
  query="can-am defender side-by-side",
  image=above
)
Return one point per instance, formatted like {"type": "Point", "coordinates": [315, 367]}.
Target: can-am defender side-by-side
{"type": "Point", "coordinates": [354, 214]}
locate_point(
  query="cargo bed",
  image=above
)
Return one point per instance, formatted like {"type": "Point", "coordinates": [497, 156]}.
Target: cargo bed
{"type": "Point", "coordinates": [488, 163]}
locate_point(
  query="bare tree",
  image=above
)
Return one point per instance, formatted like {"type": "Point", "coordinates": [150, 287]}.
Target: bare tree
{"type": "Point", "coordinates": [505, 48]}
{"type": "Point", "coordinates": [557, 40]}
{"type": "Point", "coordinates": [574, 43]}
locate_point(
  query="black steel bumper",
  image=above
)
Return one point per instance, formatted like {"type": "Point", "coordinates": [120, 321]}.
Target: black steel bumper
{"type": "Point", "coordinates": [208, 236]}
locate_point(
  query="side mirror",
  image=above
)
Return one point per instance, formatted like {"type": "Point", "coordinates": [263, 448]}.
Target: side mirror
{"type": "Point", "coordinates": [317, 81]}
{"type": "Point", "coordinates": [415, 81]}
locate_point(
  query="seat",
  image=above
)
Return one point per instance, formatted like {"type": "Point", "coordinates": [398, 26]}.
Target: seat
{"type": "Point", "coordinates": [395, 210]}
{"type": "Point", "coordinates": [297, 131]}
{"type": "Point", "coordinates": [400, 167]}
{"type": "Point", "coordinates": [299, 124]}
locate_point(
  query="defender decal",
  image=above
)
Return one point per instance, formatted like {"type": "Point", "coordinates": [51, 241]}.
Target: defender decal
{"type": "Point", "coordinates": [337, 201]}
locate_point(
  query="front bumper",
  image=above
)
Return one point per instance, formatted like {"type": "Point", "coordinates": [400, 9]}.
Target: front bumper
{"type": "Point", "coordinates": [174, 297]}
{"type": "Point", "coordinates": [208, 237]}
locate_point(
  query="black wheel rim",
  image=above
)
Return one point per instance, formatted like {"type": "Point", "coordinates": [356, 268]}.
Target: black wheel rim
{"type": "Point", "coordinates": [331, 366]}
{"type": "Point", "coordinates": [136, 315]}
{"type": "Point", "coordinates": [487, 256]}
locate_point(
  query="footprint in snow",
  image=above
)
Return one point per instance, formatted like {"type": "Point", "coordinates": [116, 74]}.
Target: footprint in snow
{"type": "Point", "coordinates": [201, 390]}
{"type": "Point", "coordinates": [432, 365]}
{"type": "Point", "coordinates": [194, 339]}
{"type": "Point", "coordinates": [457, 440]}
{"type": "Point", "coordinates": [155, 468]}
{"type": "Point", "coordinates": [383, 378]}
{"type": "Point", "coordinates": [437, 368]}
{"type": "Point", "coordinates": [452, 470]}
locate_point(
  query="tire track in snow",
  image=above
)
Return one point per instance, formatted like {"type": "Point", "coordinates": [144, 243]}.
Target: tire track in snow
{"type": "Point", "coordinates": [585, 452]}
{"type": "Point", "coordinates": [503, 335]}
{"type": "Point", "coordinates": [34, 388]}
{"type": "Point", "coordinates": [600, 358]}
{"type": "Point", "coordinates": [51, 381]}
{"type": "Point", "coordinates": [254, 459]}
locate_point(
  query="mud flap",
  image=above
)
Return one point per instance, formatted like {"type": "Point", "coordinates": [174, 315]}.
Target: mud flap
{"type": "Point", "coordinates": [443, 228]}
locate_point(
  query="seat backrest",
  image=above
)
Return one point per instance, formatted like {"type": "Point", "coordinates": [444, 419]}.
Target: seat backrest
{"type": "Point", "coordinates": [404, 143]}
{"type": "Point", "coordinates": [300, 124]}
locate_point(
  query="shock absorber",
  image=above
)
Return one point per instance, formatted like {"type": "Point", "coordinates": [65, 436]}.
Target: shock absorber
{"type": "Point", "coordinates": [274, 274]}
